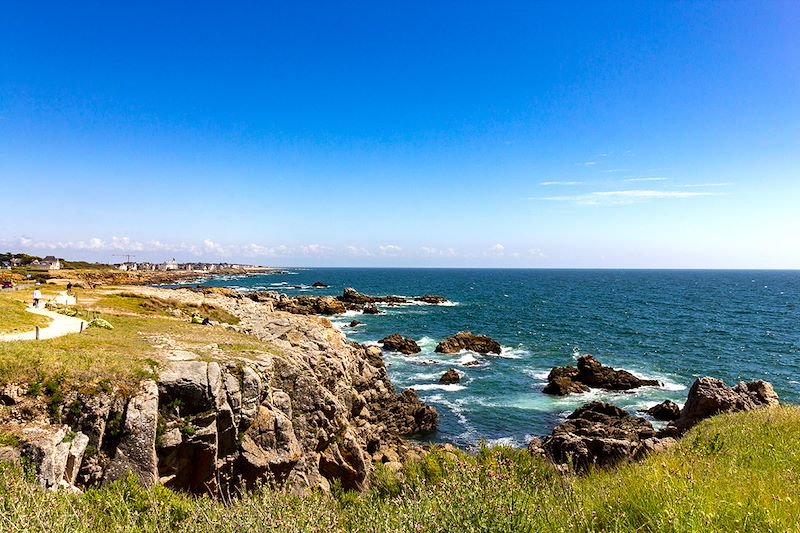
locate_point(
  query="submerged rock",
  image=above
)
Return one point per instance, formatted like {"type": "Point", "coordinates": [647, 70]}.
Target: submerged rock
{"type": "Point", "coordinates": [450, 377]}
{"type": "Point", "coordinates": [398, 343]}
{"type": "Point", "coordinates": [319, 285]}
{"type": "Point", "coordinates": [465, 340]}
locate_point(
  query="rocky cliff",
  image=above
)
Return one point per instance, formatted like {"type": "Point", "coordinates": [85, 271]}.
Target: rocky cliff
{"type": "Point", "coordinates": [311, 409]}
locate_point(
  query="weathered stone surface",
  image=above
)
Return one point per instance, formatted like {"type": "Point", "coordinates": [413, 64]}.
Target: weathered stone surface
{"type": "Point", "coordinates": [591, 373]}
{"type": "Point", "coordinates": [665, 411]}
{"type": "Point", "coordinates": [136, 452]}
{"type": "Point", "coordinates": [709, 396]}
{"type": "Point", "coordinates": [450, 377]}
{"type": "Point", "coordinates": [54, 452]}
{"type": "Point", "coordinates": [398, 343]}
{"type": "Point", "coordinates": [465, 340]}
{"type": "Point", "coordinates": [562, 386]}
{"type": "Point", "coordinates": [597, 434]}
{"type": "Point", "coordinates": [309, 409]}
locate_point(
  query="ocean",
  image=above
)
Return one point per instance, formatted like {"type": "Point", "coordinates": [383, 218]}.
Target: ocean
{"type": "Point", "coordinates": [669, 325]}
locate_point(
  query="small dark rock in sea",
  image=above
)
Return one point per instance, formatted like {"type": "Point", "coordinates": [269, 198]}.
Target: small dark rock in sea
{"type": "Point", "coordinates": [319, 285]}
{"type": "Point", "coordinates": [472, 363]}
{"type": "Point", "coordinates": [591, 373]}
{"type": "Point", "coordinates": [370, 309]}
{"type": "Point", "coordinates": [450, 377]}
{"type": "Point", "coordinates": [465, 340]}
{"type": "Point", "coordinates": [354, 323]}
{"type": "Point", "coordinates": [431, 299]}
{"type": "Point", "coordinates": [561, 386]}
{"type": "Point", "coordinates": [665, 411]}
{"type": "Point", "coordinates": [398, 343]}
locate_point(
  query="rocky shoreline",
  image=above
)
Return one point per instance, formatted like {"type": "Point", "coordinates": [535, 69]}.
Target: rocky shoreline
{"type": "Point", "coordinates": [313, 410]}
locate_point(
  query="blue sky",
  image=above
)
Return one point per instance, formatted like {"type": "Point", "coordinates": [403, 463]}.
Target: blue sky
{"type": "Point", "coordinates": [587, 134]}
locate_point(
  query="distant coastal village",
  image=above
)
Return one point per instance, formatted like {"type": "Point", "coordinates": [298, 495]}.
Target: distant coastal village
{"type": "Point", "coordinates": [9, 261]}
{"type": "Point", "coordinates": [21, 267]}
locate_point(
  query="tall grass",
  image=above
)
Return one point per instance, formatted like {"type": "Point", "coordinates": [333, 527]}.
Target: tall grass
{"type": "Point", "coordinates": [732, 473]}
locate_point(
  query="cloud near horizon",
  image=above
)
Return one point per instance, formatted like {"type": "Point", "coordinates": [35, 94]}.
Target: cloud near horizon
{"type": "Point", "coordinates": [627, 197]}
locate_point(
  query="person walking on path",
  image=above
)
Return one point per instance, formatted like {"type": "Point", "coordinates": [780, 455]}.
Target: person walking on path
{"type": "Point", "coordinates": [37, 295]}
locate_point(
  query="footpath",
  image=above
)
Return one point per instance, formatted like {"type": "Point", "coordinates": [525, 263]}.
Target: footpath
{"type": "Point", "coordinates": [59, 326]}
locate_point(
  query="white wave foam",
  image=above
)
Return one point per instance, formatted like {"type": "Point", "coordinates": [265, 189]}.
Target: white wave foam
{"type": "Point", "coordinates": [427, 343]}
{"type": "Point", "coordinates": [438, 386]}
{"type": "Point", "coordinates": [538, 375]}
{"type": "Point", "coordinates": [468, 359]}
{"type": "Point", "coordinates": [512, 353]}
{"type": "Point", "coordinates": [351, 312]}
{"type": "Point", "coordinates": [505, 441]}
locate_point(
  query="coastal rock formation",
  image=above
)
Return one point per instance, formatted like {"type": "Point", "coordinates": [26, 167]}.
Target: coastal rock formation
{"type": "Point", "coordinates": [431, 299]}
{"type": "Point", "coordinates": [465, 340]}
{"type": "Point", "coordinates": [450, 377]}
{"type": "Point", "coordinates": [665, 411]}
{"type": "Point", "coordinates": [591, 373]}
{"type": "Point", "coordinates": [319, 285]}
{"type": "Point", "coordinates": [598, 434]}
{"type": "Point", "coordinates": [310, 409]}
{"type": "Point", "coordinates": [398, 343]}
{"type": "Point", "coordinates": [350, 300]}
{"type": "Point", "coordinates": [709, 396]}
{"type": "Point", "coordinates": [300, 305]}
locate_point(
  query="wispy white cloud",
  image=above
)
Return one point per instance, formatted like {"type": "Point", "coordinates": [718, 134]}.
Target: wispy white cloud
{"type": "Point", "coordinates": [430, 251]}
{"type": "Point", "coordinates": [614, 170]}
{"type": "Point", "coordinates": [498, 250]}
{"type": "Point", "coordinates": [627, 197]}
{"type": "Point", "coordinates": [589, 163]}
{"type": "Point", "coordinates": [357, 251]}
{"type": "Point", "coordinates": [638, 178]}
{"type": "Point", "coordinates": [708, 185]}
{"type": "Point", "coordinates": [547, 183]}
{"type": "Point", "coordinates": [390, 249]}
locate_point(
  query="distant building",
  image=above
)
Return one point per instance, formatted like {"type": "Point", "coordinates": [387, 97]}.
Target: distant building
{"type": "Point", "coordinates": [169, 265]}
{"type": "Point", "coordinates": [48, 263]}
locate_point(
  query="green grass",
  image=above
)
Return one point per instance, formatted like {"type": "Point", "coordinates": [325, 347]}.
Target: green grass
{"type": "Point", "coordinates": [145, 305]}
{"type": "Point", "coordinates": [732, 473]}
{"type": "Point", "coordinates": [14, 318]}
{"type": "Point", "coordinates": [120, 357]}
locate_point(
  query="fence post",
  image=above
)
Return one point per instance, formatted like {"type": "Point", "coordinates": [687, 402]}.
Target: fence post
{"type": "Point", "coordinates": [37, 333]}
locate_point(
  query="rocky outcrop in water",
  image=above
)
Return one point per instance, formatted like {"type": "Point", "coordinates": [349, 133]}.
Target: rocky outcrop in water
{"type": "Point", "coordinates": [591, 373]}
{"type": "Point", "coordinates": [465, 340]}
{"type": "Point", "coordinates": [398, 343]}
{"type": "Point", "coordinates": [665, 411]}
{"type": "Point", "coordinates": [450, 377]}
{"type": "Point", "coordinates": [599, 434]}
{"type": "Point", "coordinates": [431, 299]}
{"type": "Point", "coordinates": [310, 409]}
{"type": "Point", "coordinates": [350, 300]}
{"type": "Point", "coordinates": [709, 396]}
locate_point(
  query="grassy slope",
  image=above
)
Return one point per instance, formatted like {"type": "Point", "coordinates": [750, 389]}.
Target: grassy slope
{"type": "Point", "coordinates": [733, 473]}
{"type": "Point", "coordinates": [123, 355]}
{"type": "Point", "coordinates": [14, 318]}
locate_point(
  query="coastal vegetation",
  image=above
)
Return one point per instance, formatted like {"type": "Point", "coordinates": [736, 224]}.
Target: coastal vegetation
{"type": "Point", "coordinates": [15, 318]}
{"type": "Point", "coordinates": [737, 472]}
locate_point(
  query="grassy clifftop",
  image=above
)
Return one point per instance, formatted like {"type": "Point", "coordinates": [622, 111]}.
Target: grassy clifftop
{"type": "Point", "coordinates": [736, 472]}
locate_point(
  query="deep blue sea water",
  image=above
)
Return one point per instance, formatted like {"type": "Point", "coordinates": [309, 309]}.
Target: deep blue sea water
{"type": "Point", "coordinates": [673, 326]}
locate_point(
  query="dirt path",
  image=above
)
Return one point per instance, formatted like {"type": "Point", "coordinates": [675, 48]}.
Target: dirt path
{"type": "Point", "coordinates": [59, 326]}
